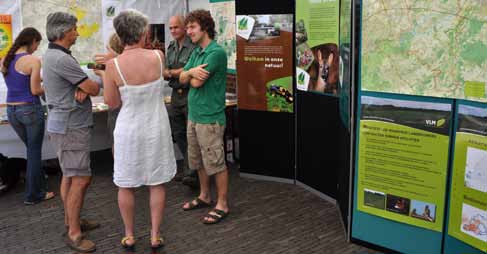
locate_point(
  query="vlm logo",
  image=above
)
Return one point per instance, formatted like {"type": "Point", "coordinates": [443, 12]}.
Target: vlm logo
{"type": "Point", "coordinates": [435, 123]}
{"type": "Point", "coordinates": [301, 79]}
{"type": "Point", "coordinates": [243, 24]}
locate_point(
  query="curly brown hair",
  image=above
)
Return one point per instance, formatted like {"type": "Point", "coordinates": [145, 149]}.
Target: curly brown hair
{"type": "Point", "coordinates": [204, 19]}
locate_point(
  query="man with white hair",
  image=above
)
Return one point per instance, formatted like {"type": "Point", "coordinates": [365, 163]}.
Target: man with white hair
{"type": "Point", "coordinates": [69, 122]}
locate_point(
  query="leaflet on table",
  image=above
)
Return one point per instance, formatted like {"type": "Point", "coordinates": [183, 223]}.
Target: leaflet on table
{"type": "Point", "coordinates": [402, 163]}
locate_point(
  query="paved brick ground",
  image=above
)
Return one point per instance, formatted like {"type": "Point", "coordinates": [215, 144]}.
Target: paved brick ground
{"type": "Point", "coordinates": [265, 218]}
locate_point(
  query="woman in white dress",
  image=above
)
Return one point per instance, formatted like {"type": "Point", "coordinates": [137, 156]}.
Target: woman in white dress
{"type": "Point", "coordinates": [143, 149]}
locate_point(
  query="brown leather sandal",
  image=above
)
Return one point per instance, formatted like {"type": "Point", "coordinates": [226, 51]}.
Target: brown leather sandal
{"type": "Point", "coordinates": [80, 244]}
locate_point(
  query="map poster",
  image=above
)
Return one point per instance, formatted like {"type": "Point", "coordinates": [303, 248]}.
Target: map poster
{"type": "Point", "coordinates": [317, 53]}
{"type": "Point", "coordinates": [265, 66]}
{"type": "Point", "coordinates": [223, 12]}
{"type": "Point", "coordinates": [89, 15]}
{"type": "Point", "coordinates": [427, 48]}
{"type": "Point", "coordinates": [403, 160]}
{"type": "Point", "coordinates": [6, 34]}
{"type": "Point", "coordinates": [468, 198]}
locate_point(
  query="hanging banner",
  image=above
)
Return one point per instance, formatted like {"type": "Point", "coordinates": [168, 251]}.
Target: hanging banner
{"type": "Point", "coordinates": [110, 9]}
{"type": "Point", "coordinates": [403, 159]}
{"type": "Point", "coordinates": [11, 24]}
{"type": "Point", "coordinates": [265, 68]}
{"type": "Point", "coordinates": [317, 53]}
{"type": "Point", "coordinates": [431, 48]}
{"type": "Point", "coordinates": [12, 8]}
{"type": "Point", "coordinates": [158, 13]}
{"type": "Point", "coordinates": [6, 34]}
{"type": "Point", "coordinates": [468, 198]}
{"type": "Point", "coordinates": [223, 12]}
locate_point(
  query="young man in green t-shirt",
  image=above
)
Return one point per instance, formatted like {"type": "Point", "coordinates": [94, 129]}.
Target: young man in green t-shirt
{"type": "Point", "coordinates": [206, 72]}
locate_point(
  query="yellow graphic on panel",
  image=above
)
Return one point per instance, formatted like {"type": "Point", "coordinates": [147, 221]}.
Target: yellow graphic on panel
{"type": "Point", "coordinates": [5, 34]}
{"type": "Point", "coordinates": [84, 30]}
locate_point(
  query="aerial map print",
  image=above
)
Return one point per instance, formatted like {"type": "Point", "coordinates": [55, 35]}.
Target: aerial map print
{"type": "Point", "coordinates": [224, 15]}
{"type": "Point", "coordinates": [88, 12]}
{"type": "Point", "coordinates": [432, 48]}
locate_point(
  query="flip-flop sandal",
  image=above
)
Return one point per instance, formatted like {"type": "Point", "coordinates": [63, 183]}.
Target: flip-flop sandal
{"type": "Point", "coordinates": [128, 247]}
{"type": "Point", "coordinates": [220, 215]}
{"type": "Point", "coordinates": [160, 244]}
{"type": "Point", "coordinates": [49, 195]}
{"type": "Point", "coordinates": [199, 204]}
{"type": "Point", "coordinates": [80, 244]}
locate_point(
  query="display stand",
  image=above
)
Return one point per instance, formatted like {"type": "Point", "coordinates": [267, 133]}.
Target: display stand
{"type": "Point", "coordinates": [266, 139]}
{"type": "Point", "coordinates": [406, 221]}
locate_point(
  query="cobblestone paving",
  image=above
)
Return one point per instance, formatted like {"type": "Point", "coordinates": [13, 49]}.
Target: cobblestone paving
{"type": "Point", "coordinates": [265, 218]}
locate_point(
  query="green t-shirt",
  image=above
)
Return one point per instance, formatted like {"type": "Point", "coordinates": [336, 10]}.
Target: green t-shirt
{"type": "Point", "coordinates": [206, 104]}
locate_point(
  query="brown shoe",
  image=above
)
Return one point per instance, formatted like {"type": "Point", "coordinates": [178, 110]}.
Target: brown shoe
{"type": "Point", "coordinates": [87, 225]}
{"type": "Point", "coordinates": [80, 244]}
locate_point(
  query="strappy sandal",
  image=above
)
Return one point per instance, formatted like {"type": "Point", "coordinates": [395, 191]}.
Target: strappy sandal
{"type": "Point", "coordinates": [160, 244]}
{"type": "Point", "coordinates": [197, 203]}
{"type": "Point", "coordinates": [128, 247]}
{"type": "Point", "coordinates": [217, 217]}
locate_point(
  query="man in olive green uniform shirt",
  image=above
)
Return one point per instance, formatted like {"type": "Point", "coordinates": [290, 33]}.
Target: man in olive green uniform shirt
{"type": "Point", "coordinates": [206, 72]}
{"type": "Point", "coordinates": [177, 55]}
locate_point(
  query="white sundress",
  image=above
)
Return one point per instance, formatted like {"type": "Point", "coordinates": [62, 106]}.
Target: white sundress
{"type": "Point", "coordinates": [143, 149]}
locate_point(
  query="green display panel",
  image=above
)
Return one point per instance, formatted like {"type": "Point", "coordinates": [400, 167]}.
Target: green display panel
{"type": "Point", "coordinates": [345, 70]}
{"type": "Point", "coordinates": [431, 48]}
{"type": "Point", "coordinates": [468, 199]}
{"type": "Point", "coordinates": [402, 160]}
{"type": "Point", "coordinates": [317, 52]}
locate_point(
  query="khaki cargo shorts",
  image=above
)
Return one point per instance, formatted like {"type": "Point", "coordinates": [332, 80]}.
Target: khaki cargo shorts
{"type": "Point", "coordinates": [205, 147]}
{"type": "Point", "coordinates": [73, 151]}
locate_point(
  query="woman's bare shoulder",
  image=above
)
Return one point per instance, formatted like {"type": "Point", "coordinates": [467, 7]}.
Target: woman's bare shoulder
{"type": "Point", "coordinates": [31, 59]}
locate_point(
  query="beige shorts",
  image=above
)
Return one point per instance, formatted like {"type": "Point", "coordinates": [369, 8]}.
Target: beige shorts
{"type": "Point", "coordinates": [73, 151]}
{"type": "Point", "coordinates": [205, 147]}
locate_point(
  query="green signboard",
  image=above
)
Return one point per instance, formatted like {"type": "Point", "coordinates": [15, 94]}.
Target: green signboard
{"type": "Point", "coordinates": [468, 205]}
{"type": "Point", "coordinates": [403, 156]}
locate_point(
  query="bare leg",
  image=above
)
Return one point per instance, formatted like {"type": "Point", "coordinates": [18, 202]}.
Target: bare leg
{"type": "Point", "coordinates": [221, 180]}
{"type": "Point", "coordinates": [126, 204]}
{"type": "Point", "coordinates": [204, 188]}
{"type": "Point", "coordinates": [65, 186]}
{"type": "Point", "coordinates": [157, 202]}
{"type": "Point", "coordinates": [204, 185]}
{"type": "Point", "coordinates": [75, 198]}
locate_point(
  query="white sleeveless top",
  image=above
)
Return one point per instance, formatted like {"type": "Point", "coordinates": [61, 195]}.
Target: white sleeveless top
{"type": "Point", "coordinates": [143, 148]}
